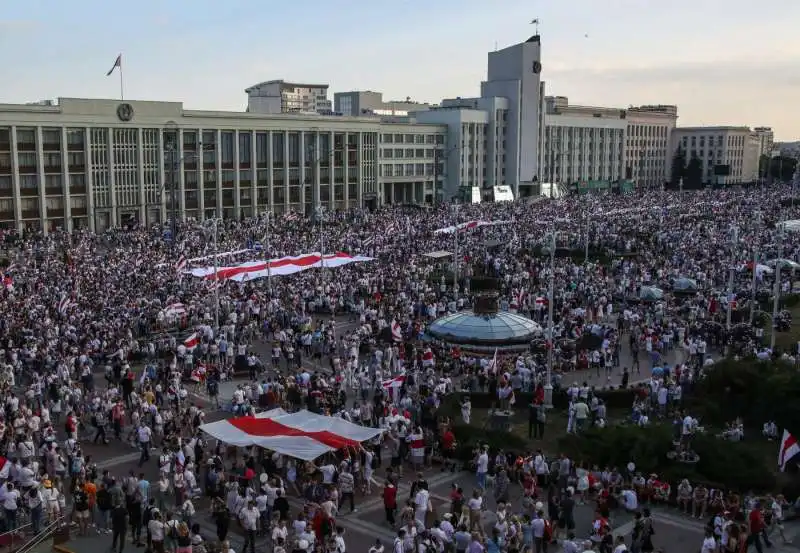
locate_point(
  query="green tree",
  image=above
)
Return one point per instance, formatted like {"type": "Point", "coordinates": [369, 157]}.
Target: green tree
{"type": "Point", "coordinates": [782, 168]}
{"type": "Point", "coordinates": [694, 173]}
{"type": "Point", "coordinates": [678, 167]}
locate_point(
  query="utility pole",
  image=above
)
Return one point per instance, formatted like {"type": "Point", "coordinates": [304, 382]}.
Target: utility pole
{"type": "Point", "coordinates": [172, 128]}
{"type": "Point", "coordinates": [586, 241]}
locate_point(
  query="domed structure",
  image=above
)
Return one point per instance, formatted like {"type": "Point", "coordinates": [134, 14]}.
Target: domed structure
{"type": "Point", "coordinates": [485, 328]}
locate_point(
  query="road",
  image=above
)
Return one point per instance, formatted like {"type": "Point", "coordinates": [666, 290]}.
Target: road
{"type": "Point", "coordinates": [368, 524]}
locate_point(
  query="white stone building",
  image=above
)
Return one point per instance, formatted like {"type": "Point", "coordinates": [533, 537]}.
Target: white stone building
{"type": "Point", "coordinates": [279, 96]}
{"type": "Point", "coordinates": [729, 155]}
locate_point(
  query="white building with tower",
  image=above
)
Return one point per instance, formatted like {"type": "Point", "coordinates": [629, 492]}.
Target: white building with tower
{"type": "Point", "coordinates": [494, 139]}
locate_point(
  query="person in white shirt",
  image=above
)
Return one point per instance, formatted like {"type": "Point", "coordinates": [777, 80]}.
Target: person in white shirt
{"type": "Point", "coordinates": [249, 517]}
{"type": "Point", "coordinates": [621, 547]}
{"type": "Point", "coordinates": [11, 498]}
{"type": "Point", "coordinates": [482, 464]}
{"type": "Point", "coordinates": [709, 543]}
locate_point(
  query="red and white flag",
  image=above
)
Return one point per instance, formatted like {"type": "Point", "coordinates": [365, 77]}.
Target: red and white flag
{"type": "Point", "coordinates": [65, 303]}
{"type": "Point", "coordinates": [192, 341]}
{"type": "Point", "coordinates": [395, 382]}
{"type": "Point", "coordinates": [541, 301]}
{"type": "Point", "coordinates": [397, 332]}
{"type": "Point", "coordinates": [789, 450]}
{"type": "Point", "coordinates": [180, 265]}
{"type": "Point", "coordinates": [469, 225]}
{"type": "Point", "coordinates": [175, 310]}
{"type": "Point", "coordinates": [427, 358]}
{"type": "Point", "coordinates": [117, 64]}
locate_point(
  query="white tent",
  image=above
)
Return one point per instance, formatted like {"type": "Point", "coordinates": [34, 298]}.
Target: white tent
{"type": "Point", "coordinates": [303, 435]}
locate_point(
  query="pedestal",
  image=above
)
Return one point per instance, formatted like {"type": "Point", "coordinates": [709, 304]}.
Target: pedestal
{"type": "Point", "coordinates": [548, 396]}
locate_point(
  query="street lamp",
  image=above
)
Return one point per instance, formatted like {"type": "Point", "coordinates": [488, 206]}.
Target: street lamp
{"type": "Point", "coordinates": [437, 156]}
{"type": "Point", "coordinates": [215, 222]}
{"type": "Point", "coordinates": [734, 242]}
{"type": "Point", "coordinates": [755, 268]}
{"type": "Point", "coordinates": [548, 385]}
{"type": "Point", "coordinates": [455, 252]}
{"type": "Point", "coordinates": [315, 157]}
{"type": "Point", "coordinates": [267, 215]}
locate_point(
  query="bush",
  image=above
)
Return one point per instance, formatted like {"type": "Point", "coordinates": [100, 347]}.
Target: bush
{"type": "Point", "coordinates": [469, 437]}
{"type": "Point", "coordinates": [756, 391]}
{"type": "Point", "coordinates": [613, 398]}
{"type": "Point", "coordinates": [729, 465]}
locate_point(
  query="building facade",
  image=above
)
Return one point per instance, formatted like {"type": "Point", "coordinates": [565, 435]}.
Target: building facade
{"type": "Point", "coordinates": [583, 143]}
{"type": "Point", "coordinates": [279, 96]}
{"type": "Point", "coordinates": [99, 163]}
{"type": "Point", "coordinates": [407, 157]}
{"type": "Point", "coordinates": [728, 155]}
{"type": "Point", "coordinates": [648, 148]}
{"type": "Point", "coordinates": [366, 102]}
{"type": "Point", "coordinates": [766, 140]}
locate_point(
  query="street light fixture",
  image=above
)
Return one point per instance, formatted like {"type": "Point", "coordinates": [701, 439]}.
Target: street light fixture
{"type": "Point", "coordinates": [548, 385]}
{"type": "Point", "coordinates": [268, 216]}
{"type": "Point", "coordinates": [214, 222]}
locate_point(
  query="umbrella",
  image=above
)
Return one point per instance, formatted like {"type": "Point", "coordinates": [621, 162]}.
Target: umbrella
{"type": "Point", "coordinates": [785, 263]}
{"type": "Point", "coordinates": [684, 284]}
{"type": "Point", "coordinates": [651, 293]}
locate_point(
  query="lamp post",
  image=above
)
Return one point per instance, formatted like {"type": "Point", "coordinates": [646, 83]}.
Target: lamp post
{"type": "Point", "coordinates": [586, 241]}
{"type": "Point", "coordinates": [755, 269]}
{"type": "Point", "coordinates": [548, 385]}
{"type": "Point", "coordinates": [437, 157]}
{"type": "Point", "coordinates": [455, 253]}
{"type": "Point", "coordinates": [214, 222]}
{"type": "Point", "coordinates": [734, 241]}
{"type": "Point", "coordinates": [268, 215]}
{"type": "Point", "coordinates": [776, 292]}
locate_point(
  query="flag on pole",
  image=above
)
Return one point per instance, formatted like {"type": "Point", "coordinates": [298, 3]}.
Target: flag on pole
{"type": "Point", "coordinates": [117, 64]}
{"type": "Point", "coordinates": [180, 265]}
{"type": "Point", "coordinates": [789, 450]}
{"type": "Point", "coordinates": [368, 241]}
{"type": "Point", "coordinates": [397, 332]}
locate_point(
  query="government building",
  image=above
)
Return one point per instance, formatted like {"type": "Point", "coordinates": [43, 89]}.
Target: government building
{"type": "Point", "coordinates": [98, 164]}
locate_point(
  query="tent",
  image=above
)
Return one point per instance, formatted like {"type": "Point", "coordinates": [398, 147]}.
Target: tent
{"type": "Point", "coordinates": [303, 435]}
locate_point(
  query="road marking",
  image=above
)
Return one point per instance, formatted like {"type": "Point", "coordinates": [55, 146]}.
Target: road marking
{"type": "Point", "coordinates": [118, 460]}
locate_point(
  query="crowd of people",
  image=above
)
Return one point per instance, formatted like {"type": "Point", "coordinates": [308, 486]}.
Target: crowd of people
{"type": "Point", "coordinates": [105, 339]}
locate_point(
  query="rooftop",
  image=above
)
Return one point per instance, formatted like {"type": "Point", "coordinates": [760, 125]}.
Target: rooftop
{"type": "Point", "coordinates": [284, 84]}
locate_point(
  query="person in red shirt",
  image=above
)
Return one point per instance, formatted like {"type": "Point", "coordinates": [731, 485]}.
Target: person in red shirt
{"type": "Point", "coordinates": [757, 530]}
{"type": "Point", "coordinates": [448, 450]}
{"type": "Point", "coordinates": [390, 501]}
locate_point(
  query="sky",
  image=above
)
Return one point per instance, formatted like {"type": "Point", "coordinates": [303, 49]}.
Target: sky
{"type": "Point", "coordinates": [722, 62]}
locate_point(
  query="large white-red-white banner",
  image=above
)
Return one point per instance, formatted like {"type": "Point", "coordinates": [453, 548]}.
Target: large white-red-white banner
{"type": "Point", "coordinates": [469, 225]}
{"type": "Point", "coordinates": [283, 266]}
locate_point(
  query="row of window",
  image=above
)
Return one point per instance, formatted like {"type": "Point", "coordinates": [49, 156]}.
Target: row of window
{"type": "Point", "coordinates": [398, 138]}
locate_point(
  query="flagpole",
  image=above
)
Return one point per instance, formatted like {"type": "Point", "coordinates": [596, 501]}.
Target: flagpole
{"type": "Point", "coordinates": [122, 83]}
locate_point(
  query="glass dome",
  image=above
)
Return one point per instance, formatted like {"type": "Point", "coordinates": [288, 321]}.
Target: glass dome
{"type": "Point", "coordinates": [502, 330]}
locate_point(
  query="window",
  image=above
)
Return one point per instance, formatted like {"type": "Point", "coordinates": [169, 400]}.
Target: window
{"type": "Point", "coordinates": [226, 148]}
{"type": "Point", "coordinates": [244, 148]}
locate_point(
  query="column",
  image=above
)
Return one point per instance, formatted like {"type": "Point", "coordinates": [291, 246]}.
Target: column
{"type": "Point", "coordinates": [316, 166]}
{"type": "Point", "coordinates": [112, 186]}
{"type": "Point", "coordinates": [286, 199]}
{"type": "Point", "coordinates": [331, 167]}
{"type": "Point", "coordinates": [65, 180]}
{"type": "Point", "coordinates": [270, 169]}
{"type": "Point", "coordinates": [301, 172]}
{"type": "Point", "coordinates": [201, 174]}
{"type": "Point", "coordinates": [237, 201]}
{"type": "Point", "coordinates": [180, 175]}
{"type": "Point", "coordinates": [218, 170]}
{"type": "Point", "coordinates": [163, 171]}
{"type": "Point", "coordinates": [90, 215]}
{"type": "Point", "coordinates": [254, 172]}
{"type": "Point", "coordinates": [15, 180]}
{"type": "Point", "coordinates": [41, 182]}
{"type": "Point", "coordinates": [140, 176]}
{"type": "Point", "coordinates": [359, 172]}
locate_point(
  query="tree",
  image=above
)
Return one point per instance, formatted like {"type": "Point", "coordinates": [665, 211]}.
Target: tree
{"type": "Point", "coordinates": [678, 167]}
{"type": "Point", "coordinates": [782, 168]}
{"type": "Point", "coordinates": [694, 174]}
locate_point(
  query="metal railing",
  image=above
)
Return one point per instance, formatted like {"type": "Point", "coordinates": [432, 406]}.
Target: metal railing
{"type": "Point", "coordinates": [44, 534]}
{"type": "Point", "coordinates": [12, 534]}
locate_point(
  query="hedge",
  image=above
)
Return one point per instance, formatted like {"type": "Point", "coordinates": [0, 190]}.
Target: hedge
{"type": "Point", "coordinates": [723, 463]}
{"type": "Point", "coordinates": [614, 398]}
